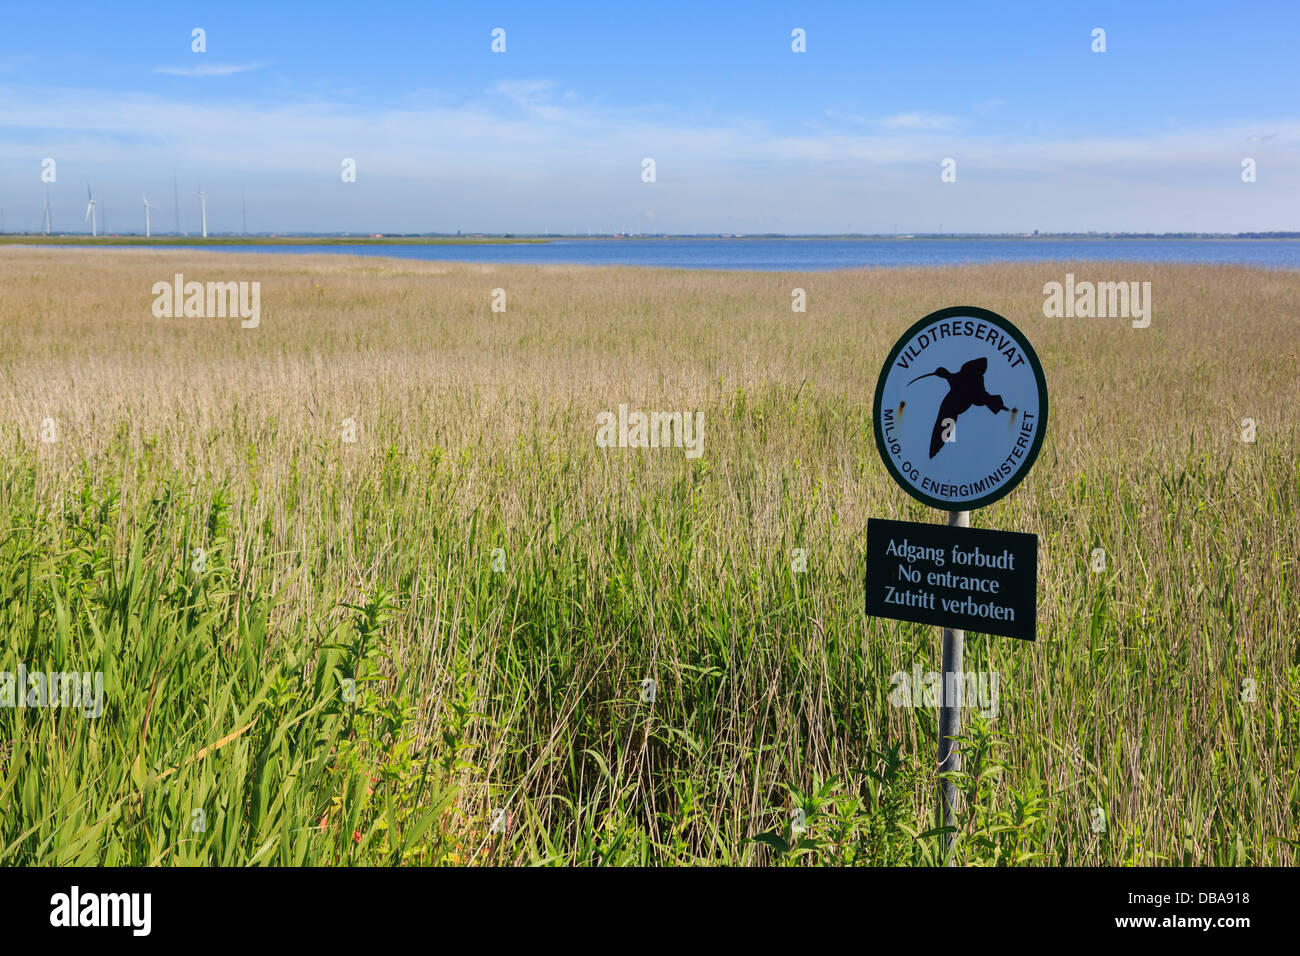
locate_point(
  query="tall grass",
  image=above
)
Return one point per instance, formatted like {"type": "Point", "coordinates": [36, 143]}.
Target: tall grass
{"type": "Point", "coordinates": [309, 654]}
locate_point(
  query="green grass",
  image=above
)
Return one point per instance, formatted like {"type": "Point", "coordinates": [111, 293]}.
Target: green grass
{"type": "Point", "coordinates": [767, 683]}
{"type": "Point", "coordinates": [497, 714]}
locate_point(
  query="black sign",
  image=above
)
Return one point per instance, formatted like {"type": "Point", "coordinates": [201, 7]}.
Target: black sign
{"type": "Point", "coordinates": [963, 578]}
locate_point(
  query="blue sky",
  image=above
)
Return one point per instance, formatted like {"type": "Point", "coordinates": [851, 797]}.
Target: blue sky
{"type": "Point", "coordinates": [747, 136]}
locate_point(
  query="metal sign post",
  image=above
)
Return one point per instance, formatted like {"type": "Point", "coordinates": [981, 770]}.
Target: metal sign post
{"type": "Point", "coordinates": [950, 710]}
{"type": "Point", "coordinates": [960, 414]}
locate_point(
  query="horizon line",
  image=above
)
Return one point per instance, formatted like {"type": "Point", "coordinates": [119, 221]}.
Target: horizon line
{"type": "Point", "coordinates": [462, 234]}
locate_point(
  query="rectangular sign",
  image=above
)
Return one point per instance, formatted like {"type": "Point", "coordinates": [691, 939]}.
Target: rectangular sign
{"type": "Point", "coordinates": [964, 578]}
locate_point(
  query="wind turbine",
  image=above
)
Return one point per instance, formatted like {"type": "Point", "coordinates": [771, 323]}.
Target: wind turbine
{"type": "Point", "coordinates": [90, 212]}
{"type": "Point", "coordinates": [203, 202]}
{"type": "Point", "coordinates": [47, 210]}
{"type": "Point", "coordinates": [147, 207]}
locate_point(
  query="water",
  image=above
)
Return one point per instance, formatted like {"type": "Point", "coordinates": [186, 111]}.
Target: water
{"type": "Point", "coordinates": [803, 255]}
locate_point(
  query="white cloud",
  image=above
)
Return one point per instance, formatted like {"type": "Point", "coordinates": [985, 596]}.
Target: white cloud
{"type": "Point", "coordinates": [535, 97]}
{"type": "Point", "coordinates": [245, 134]}
{"type": "Point", "coordinates": [525, 147]}
{"type": "Point", "coordinates": [910, 120]}
{"type": "Point", "coordinates": [215, 69]}
{"type": "Point", "coordinates": [523, 90]}
{"type": "Point", "coordinates": [920, 121]}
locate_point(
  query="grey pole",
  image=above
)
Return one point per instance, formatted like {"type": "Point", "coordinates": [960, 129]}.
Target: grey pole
{"type": "Point", "coordinates": [950, 709]}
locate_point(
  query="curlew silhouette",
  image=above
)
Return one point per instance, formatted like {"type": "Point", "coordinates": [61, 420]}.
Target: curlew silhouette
{"type": "Point", "coordinates": [965, 388]}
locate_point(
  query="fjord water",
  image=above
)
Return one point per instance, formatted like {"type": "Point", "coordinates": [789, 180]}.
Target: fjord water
{"type": "Point", "coordinates": [776, 255]}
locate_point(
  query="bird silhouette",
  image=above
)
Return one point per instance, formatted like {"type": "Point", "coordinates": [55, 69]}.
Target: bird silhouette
{"type": "Point", "coordinates": [965, 388]}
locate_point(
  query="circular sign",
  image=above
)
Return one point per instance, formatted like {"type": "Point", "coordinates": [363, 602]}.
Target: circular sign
{"type": "Point", "coordinates": [961, 408]}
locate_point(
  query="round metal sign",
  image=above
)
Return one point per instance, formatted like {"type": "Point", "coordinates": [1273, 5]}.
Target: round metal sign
{"type": "Point", "coordinates": [961, 409]}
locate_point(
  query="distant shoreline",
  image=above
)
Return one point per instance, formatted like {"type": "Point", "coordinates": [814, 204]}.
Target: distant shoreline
{"type": "Point", "coordinates": [79, 240]}
{"type": "Point", "coordinates": [763, 253]}
{"type": "Point", "coordinates": [514, 239]}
